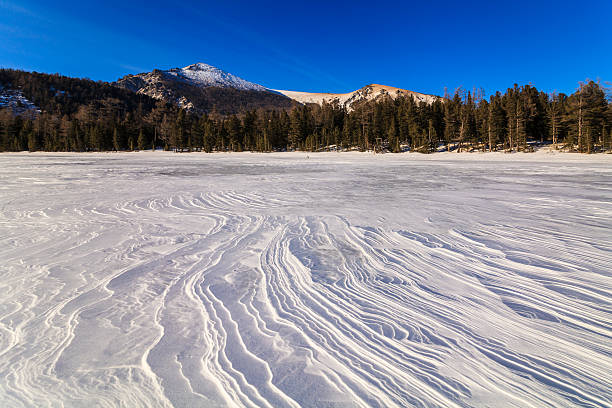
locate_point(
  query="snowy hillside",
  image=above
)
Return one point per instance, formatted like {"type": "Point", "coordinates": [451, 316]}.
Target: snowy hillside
{"type": "Point", "coordinates": [200, 75]}
{"type": "Point", "coordinates": [206, 75]}
{"type": "Point", "coordinates": [15, 101]}
{"type": "Point", "coordinates": [199, 87]}
{"type": "Point", "coordinates": [369, 92]}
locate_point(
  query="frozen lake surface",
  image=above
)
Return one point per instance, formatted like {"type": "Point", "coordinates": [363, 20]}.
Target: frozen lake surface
{"type": "Point", "coordinates": [281, 280]}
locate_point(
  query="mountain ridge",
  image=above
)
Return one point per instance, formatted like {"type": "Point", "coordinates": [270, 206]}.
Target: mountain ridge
{"type": "Point", "coordinates": [368, 92]}
{"type": "Point", "coordinates": [184, 86]}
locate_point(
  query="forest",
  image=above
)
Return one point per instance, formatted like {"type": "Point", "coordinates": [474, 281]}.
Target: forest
{"type": "Point", "coordinates": [84, 115]}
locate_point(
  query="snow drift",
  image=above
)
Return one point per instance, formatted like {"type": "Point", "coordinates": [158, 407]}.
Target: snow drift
{"type": "Point", "coordinates": [157, 280]}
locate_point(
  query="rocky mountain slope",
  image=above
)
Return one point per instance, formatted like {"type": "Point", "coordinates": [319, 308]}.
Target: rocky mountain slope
{"type": "Point", "coordinates": [203, 88]}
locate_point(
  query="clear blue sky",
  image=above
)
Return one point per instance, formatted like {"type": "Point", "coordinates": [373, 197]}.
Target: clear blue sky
{"type": "Point", "coordinates": [319, 45]}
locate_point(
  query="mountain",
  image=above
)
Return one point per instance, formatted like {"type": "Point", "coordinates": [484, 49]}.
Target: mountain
{"type": "Point", "coordinates": [207, 75]}
{"type": "Point", "coordinates": [367, 93]}
{"type": "Point", "coordinates": [200, 75]}
{"type": "Point", "coordinates": [203, 88]}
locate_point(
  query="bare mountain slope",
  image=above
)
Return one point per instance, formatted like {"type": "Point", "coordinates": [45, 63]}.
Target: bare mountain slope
{"type": "Point", "coordinates": [368, 92]}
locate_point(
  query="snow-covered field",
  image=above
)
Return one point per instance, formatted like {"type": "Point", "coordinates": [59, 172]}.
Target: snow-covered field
{"type": "Point", "coordinates": [286, 280]}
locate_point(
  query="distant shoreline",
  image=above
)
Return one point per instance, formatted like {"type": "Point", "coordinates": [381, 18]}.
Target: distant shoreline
{"type": "Point", "coordinates": [540, 154]}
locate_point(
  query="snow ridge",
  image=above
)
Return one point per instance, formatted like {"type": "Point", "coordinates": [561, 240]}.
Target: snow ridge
{"type": "Point", "coordinates": [205, 75]}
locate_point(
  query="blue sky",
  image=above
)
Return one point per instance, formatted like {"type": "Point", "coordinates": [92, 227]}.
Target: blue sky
{"type": "Point", "coordinates": [319, 45]}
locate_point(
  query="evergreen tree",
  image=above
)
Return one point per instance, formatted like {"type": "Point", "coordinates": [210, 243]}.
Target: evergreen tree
{"type": "Point", "coordinates": [452, 112]}
{"type": "Point", "coordinates": [142, 141]}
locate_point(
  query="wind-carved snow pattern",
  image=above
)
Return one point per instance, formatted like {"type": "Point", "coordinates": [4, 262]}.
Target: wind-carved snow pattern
{"type": "Point", "coordinates": [245, 280]}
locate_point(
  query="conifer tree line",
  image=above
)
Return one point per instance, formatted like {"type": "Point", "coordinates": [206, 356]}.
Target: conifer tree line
{"type": "Point", "coordinates": [83, 115]}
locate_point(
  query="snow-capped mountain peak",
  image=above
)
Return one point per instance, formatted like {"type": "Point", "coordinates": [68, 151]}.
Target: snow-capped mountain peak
{"type": "Point", "coordinates": [202, 87]}
{"type": "Point", "coordinates": [200, 66]}
{"type": "Point", "coordinates": [206, 75]}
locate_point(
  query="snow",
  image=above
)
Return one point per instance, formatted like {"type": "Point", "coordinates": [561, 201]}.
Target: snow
{"type": "Point", "coordinates": [316, 280]}
{"type": "Point", "coordinates": [369, 92]}
{"type": "Point", "coordinates": [14, 100]}
{"type": "Point", "coordinates": [206, 75]}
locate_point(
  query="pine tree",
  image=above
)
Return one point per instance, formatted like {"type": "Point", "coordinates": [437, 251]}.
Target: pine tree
{"type": "Point", "coordinates": [116, 140]}
{"type": "Point", "coordinates": [432, 135]}
{"type": "Point", "coordinates": [452, 113]}
{"type": "Point", "coordinates": [142, 141]}
{"type": "Point", "coordinates": [555, 112]}
{"type": "Point", "coordinates": [467, 128]}
{"type": "Point", "coordinates": [393, 137]}
{"type": "Point", "coordinates": [595, 107]}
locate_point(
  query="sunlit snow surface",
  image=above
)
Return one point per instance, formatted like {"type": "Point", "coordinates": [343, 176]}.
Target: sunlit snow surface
{"type": "Point", "coordinates": [277, 280]}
